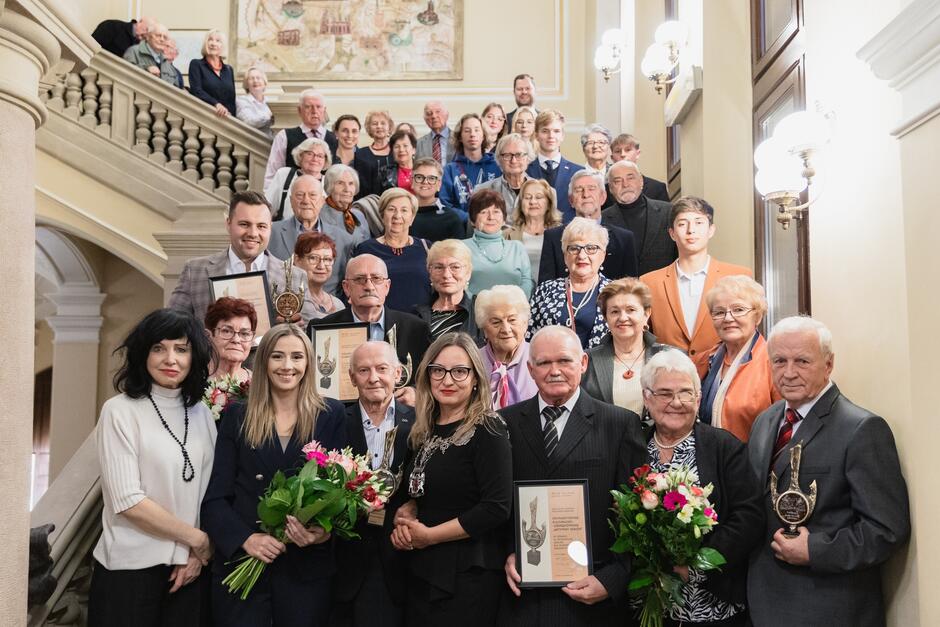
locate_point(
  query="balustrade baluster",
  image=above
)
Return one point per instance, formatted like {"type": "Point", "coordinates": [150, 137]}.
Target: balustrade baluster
{"type": "Point", "coordinates": [73, 95]}
{"type": "Point", "coordinates": [207, 162]}
{"type": "Point", "coordinates": [241, 170]}
{"type": "Point", "coordinates": [224, 175]}
{"type": "Point", "coordinates": [159, 134]}
{"type": "Point", "coordinates": [175, 147]}
{"type": "Point", "coordinates": [191, 156]}
{"type": "Point", "coordinates": [90, 94]}
{"type": "Point", "coordinates": [144, 122]}
{"type": "Point", "coordinates": [57, 97]}
{"type": "Point", "coordinates": [104, 106]}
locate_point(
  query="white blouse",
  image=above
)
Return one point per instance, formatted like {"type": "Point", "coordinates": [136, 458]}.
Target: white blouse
{"type": "Point", "coordinates": [139, 459]}
{"type": "Point", "coordinates": [254, 113]}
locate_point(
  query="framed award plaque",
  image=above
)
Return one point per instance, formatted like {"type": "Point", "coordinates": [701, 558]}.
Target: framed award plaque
{"type": "Point", "coordinates": [552, 532]}
{"type": "Point", "coordinates": [250, 286]}
{"type": "Point", "coordinates": [333, 345]}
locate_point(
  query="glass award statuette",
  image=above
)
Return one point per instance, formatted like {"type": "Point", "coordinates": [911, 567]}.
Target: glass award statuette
{"type": "Point", "coordinates": [326, 365]}
{"type": "Point", "coordinates": [793, 506]}
{"type": "Point", "coordinates": [288, 302]}
{"type": "Point", "coordinates": [384, 471]}
{"type": "Point", "coordinates": [407, 367]}
{"type": "Point", "coordinates": [533, 535]}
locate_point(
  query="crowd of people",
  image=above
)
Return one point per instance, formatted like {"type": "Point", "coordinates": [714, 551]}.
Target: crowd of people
{"type": "Point", "coordinates": [562, 321]}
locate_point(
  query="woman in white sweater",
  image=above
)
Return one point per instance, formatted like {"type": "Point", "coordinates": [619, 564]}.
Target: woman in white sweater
{"type": "Point", "coordinates": [156, 441]}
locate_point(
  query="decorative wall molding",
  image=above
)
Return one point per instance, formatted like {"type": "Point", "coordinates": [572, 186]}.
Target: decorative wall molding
{"type": "Point", "coordinates": [906, 53]}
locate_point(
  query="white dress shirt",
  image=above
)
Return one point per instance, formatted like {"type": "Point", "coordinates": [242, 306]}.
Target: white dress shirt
{"type": "Point", "coordinates": [556, 160]}
{"type": "Point", "coordinates": [563, 419]}
{"type": "Point", "coordinates": [803, 411]}
{"type": "Point", "coordinates": [237, 266]}
{"type": "Point", "coordinates": [691, 287]}
{"type": "Point", "coordinates": [278, 157]}
{"type": "Point", "coordinates": [375, 435]}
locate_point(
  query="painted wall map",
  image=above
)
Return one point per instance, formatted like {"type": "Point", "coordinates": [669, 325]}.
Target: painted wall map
{"type": "Point", "coordinates": [349, 39]}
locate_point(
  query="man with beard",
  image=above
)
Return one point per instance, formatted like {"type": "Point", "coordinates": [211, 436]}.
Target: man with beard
{"type": "Point", "coordinates": [523, 90]}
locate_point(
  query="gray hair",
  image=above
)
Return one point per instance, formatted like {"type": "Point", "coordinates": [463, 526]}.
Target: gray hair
{"type": "Point", "coordinates": [390, 353]}
{"type": "Point", "coordinates": [585, 228]}
{"type": "Point", "coordinates": [666, 361]}
{"type": "Point", "coordinates": [556, 330]}
{"type": "Point", "coordinates": [500, 295]}
{"type": "Point", "coordinates": [307, 145]}
{"type": "Point", "coordinates": [621, 164]}
{"type": "Point", "coordinates": [597, 176]}
{"type": "Point", "coordinates": [334, 172]}
{"type": "Point", "coordinates": [290, 191]}
{"type": "Point", "coordinates": [595, 128]}
{"type": "Point", "coordinates": [358, 259]}
{"type": "Point", "coordinates": [514, 137]}
{"type": "Point", "coordinates": [310, 93]}
{"type": "Point", "coordinates": [804, 324]}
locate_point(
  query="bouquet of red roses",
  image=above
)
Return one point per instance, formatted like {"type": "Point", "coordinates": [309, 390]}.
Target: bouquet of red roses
{"type": "Point", "coordinates": [661, 521]}
{"type": "Point", "coordinates": [331, 490]}
{"type": "Point", "coordinates": [222, 391]}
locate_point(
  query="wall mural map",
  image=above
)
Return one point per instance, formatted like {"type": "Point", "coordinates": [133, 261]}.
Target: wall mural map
{"type": "Point", "coordinates": [349, 39]}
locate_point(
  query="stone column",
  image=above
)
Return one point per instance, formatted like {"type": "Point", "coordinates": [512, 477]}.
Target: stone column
{"type": "Point", "coordinates": [26, 53]}
{"type": "Point", "coordinates": [76, 326]}
{"type": "Point", "coordinates": [199, 231]}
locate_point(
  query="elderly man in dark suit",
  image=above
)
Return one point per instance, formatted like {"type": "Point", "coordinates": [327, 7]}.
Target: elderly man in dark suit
{"type": "Point", "coordinates": [562, 433]}
{"type": "Point", "coordinates": [366, 286]}
{"type": "Point", "coordinates": [368, 588]}
{"type": "Point", "coordinates": [829, 574]}
{"type": "Point", "coordinates": [586, 193]}
{"type": "Point", "coordinates": [648, 219]}
{"type": "Point", "coordinates": [626, 147]}
{"type": "Point", "coordinates": [249, 228]}
{"type": "Point", "coordinates": [436, 143]}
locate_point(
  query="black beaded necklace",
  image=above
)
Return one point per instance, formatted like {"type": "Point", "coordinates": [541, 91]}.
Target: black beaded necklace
{"type": "Point", "coordinates": [187, 463]}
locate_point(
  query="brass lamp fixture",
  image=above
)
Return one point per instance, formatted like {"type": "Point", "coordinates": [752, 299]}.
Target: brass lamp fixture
{"type": "Point", "coordinates": [662, 57]}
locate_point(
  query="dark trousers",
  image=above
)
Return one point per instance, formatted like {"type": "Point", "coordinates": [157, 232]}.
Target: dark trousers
{"type": "Point", "coordinates": [280, 598]}
{"type": "Point", "coordinates": [473, 604]}
{"type": "Point", "coordinates": [738, 620]}
{"type": "Point", "coordinates": [142, 598]}
{"type": "Point", "coordinates": [372, 606]}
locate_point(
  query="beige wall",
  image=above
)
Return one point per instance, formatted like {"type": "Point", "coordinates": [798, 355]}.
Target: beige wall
{"type": "Point", "coordinates": [642, 100]}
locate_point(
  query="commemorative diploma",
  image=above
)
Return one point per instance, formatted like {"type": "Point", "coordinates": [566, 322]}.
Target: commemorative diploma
{"type": "Point", "coordinates": [793, 506]}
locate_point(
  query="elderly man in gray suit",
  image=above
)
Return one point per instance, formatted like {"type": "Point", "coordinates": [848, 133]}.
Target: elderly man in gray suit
{"type": "Point", "coordinates": [436, 144]}
{"type": "Point", "coordinates": [829, 574]}
{"type": "Point", "coordinates": [307, 198]}
{"type": "Point", "coordinates": [249, 228]}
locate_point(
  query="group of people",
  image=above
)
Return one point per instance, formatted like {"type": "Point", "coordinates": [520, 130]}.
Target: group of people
{"type": "Point", "coordinates": [561, 322]}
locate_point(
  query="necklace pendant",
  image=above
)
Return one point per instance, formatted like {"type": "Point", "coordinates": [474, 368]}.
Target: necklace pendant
{"type": "Point", "coordinates": [628, 374]}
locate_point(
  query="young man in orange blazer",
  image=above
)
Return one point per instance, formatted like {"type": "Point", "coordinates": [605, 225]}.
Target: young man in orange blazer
{"type": "Point", "coordinates": [679, 316]}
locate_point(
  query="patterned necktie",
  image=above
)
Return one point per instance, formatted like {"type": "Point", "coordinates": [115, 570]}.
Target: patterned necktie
{"type": "Point", "coordinates": [550, 433]}
{"type": "Point", "coordinates": [436, 151]}
{"type": "Point", "coordinates": [786, 432]}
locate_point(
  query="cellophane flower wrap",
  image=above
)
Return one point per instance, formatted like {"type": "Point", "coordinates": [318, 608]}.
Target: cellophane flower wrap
{"type": "Point", "coordinates": [332, 490]}
{"type": "Point", "coordinates": [222, 391]}
{"type": "Point", "coordinates": [661, 520]}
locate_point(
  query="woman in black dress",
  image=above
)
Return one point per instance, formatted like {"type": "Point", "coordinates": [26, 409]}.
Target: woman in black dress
{"type": "Point", "coordinates": [459, 478]}
{"type": "Point", "coordinates": [257, 439]}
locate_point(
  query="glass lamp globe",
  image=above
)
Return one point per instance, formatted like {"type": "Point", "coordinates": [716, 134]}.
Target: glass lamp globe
{"type": "Point", "coordinates": [671, 32]}
{"type": "Point", "coordinates": [605, 58]}
{"type": "Point", "coordinates": [781, 175]}
{"type": "Point", "coordinates": [612, 37]}
{"type": "Point", "coordinates": [768, 151]}
{"type": "Point", "coordinates": [656, 61]}
{"type": "Point", "coordinates": [802, 130]}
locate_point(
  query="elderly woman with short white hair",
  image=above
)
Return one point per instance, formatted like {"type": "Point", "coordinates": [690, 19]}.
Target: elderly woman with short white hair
{"type": "Point", "coordinates": [502, 312]}
{"type": "Point", "coordinates": [450, 307]}
{"type": "Point", "coordinates": [513, 154]}
{"type": "Point", "coordinates": [595, 143]}
{"type": "Point", "coordinates": [572, 301]}
{"type": "Point", "coordinates": [671, 392]}
{"type": "Point", "coordinates": [252, 107]}
{"type": "Point", "coordinates": [314, 158]}
{"type": "Point", "coordinates": [341, 184]}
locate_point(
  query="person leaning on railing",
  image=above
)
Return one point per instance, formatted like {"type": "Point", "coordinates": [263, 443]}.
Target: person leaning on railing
{"type": "Point", "coordinates": [149, 54]}
{"type": "Point", "coordinates": [210, 78]}
{"type": "Point", "coordinates": [156, 443]}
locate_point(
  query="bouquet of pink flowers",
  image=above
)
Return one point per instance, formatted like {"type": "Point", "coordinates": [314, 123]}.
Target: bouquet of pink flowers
{"type": "Point", "coordinates": [661, 521]}
{"type": "Point", "coordinates": [222, 391]}
{"type": "Point", "coordinates": [331, 490]}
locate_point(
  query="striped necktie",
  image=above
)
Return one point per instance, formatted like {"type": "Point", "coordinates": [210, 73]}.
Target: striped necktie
{"type": "Point", "coordinates": [436, 150]}
{"type": "Point", "coordinates": [550, 433]}
{"type": "Point", "coordinates": [786, 432]}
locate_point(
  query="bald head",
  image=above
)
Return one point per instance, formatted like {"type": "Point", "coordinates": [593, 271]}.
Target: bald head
{"type": "Point", "coordinates": [555, 336]}
{"type": "Point", "coordinates": [366, 264]}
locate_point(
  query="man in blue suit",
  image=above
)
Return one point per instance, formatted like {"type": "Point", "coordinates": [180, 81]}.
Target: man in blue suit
{"type": "Point", "coordinates": [550, 165]}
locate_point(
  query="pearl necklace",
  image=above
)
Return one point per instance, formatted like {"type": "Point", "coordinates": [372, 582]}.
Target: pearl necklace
{"type": "Point", "coordinates": [502, 252]}
{"type": "Point", "coordinates": [674, 445]}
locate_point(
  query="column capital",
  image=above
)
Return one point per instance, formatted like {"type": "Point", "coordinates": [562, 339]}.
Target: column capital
{"type": "Point", "coordinates": [78, 314]}
{"type": "Point", "coordinates": [27, 51]}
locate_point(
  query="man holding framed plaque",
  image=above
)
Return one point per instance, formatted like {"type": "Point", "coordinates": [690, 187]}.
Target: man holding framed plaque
{"type": "Point", "coordinates": [837, 503]}
{"type": "Point", "coordinates": [568, 451]}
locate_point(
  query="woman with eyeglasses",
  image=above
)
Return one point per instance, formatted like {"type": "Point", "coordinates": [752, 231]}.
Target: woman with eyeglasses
{"type": "Point", "coordinates": [314, 158]}
{"type": "Point", "coordinates": [496, 260]}
{"type": "Point", "coordinates": [450, 307]}
{"type": "Point", "coordinates": [459, 482]}
{"type": "Point", "coordinates": [671, 392]}
{"type": "Point", "coordinates": [406, 257]}
{"type": "Point", "coordinates": [595, 143]}
{"type": "Point", "coordinates": [572, 301]}
{"type": "Point", "coordinates": [315, 253]}
{"type": "Point", "coordinates": [513, 153]}
{"type": "Point", "coordinates": [737, 385]}
{"type": "Point", "coordinates": [434, 221]}
{"type": "Point", "coordinates": [536, 210]}
{"type": "Point", "coordinates": [231, 323]}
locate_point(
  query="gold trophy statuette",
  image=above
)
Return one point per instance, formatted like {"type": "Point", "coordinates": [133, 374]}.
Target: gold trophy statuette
{"type": "Point", "coordinates": [407, 367]}
{"type": "Point", "coordinates": [533, 535]}
{"type": "Point", "coordinates": [288, 302]}
{"type": "Point", "coordinates": [325, 365]}
{"type": "Point", "coordinates": [384, 471]}
{"type": "Point", "coordinates": [793, 506]}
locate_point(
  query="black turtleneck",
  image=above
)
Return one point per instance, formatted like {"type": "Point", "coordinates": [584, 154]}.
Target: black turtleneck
{"type": "Point", "coordinates": [635, 217]}
{"type": "Point", "coordinates": [435, 223]}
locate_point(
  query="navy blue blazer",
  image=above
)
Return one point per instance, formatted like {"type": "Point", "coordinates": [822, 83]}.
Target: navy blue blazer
{"type": "Point", "coordinates": [566, 170]}
{"type": "Point", "coordinates": [619, 262]}
{"type": "Point", "coordinates": [211, 88]}
{"type": "Point", "coordinates": [240, 475]}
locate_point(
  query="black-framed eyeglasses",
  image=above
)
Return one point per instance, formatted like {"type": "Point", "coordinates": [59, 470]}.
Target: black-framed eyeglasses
{"type": "Point", "coordinates": [362, 281]}
{"type": "Point", "coordinates": [684, 396]}
{"type": "Point", "coordinates": [227, 333]}
{"type": "Point", "coordinates": [457, 373]}
{"type": "Point", "coordinates": [575, 249]}
{"type": "Point", "coordinates": [736, 312]}
{"type": "Point", "coordinates": [425, 178]}
{"type": "Point", "coordinates": [509, 156]}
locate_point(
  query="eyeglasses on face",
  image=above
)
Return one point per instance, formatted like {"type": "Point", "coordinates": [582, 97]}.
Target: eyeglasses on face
{"type": "Point", "coordinates": [425, 178]}
{"type": "Point", "coordinates": [597, 142]}
{"type": "Point", "coordinates": [509, 156]}
{"type": "Point", "coordinates": [362, 281]}
{"type": "Point", "coordinates": [316, 260]}
{"type": "Point", "coordinates": [666, 396]}
{"type": "Point", "coordinates": [575, 249]}
{"type": "Point", "coordinates": [440, 268]}
{"type": "Point", "coordinates": [457, 373]}
{"type": "Point", "coordinates": [227, 333]}
{"type": "Point", "coordinates": [736, 312]}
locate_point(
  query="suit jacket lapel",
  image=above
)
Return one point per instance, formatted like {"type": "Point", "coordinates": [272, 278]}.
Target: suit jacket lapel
{"type": "Point", "coordinates": [809, 427]}
{"type": "Point", "coordinates": [670, 285]}
{"type": "Point", "coordinates": [404, 420]}
{"type": "Point", "coordinates": [355, 436]}
{"type": "Point", "coordinates": [218, 264]}
{"type": "Point", "coordinates": [765, 438]}
{"type": "Point", "coordinates": [531, 426]}
{"type": "Point", "coordinates": [579, 423]}
{"type": "Point", "coordinates": [604, 367]}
